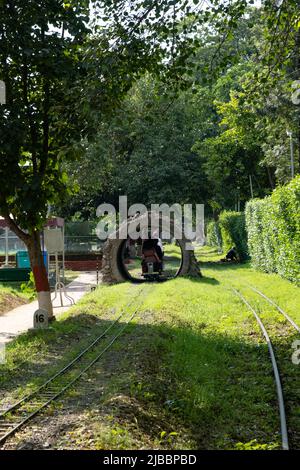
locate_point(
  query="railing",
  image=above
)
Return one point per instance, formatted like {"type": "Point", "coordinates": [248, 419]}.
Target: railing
{"type": "Point", "coordinates": [14, 244]}
{"type": "Point", "coordinates": [82, 244]}
{"type": "Point", "coordinates": [73, 244]}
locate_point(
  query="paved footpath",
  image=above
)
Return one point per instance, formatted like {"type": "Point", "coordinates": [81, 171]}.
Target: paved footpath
{"type": "Point", "coordinates": [20, 319]}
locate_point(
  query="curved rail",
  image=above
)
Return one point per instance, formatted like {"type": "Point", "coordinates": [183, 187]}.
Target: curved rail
{"type": "Point", "coordinates": [289, 319]}
{"type": "Point", "coordinates": [283, 426]}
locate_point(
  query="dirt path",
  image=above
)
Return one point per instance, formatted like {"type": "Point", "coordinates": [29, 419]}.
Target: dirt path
{"type": "Point", "coordinates": [9, 302]}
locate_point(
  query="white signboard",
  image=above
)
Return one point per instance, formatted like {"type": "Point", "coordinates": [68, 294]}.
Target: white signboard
{"type": "Point", "coordinates": [2, 92]}
{"type": "Point", "coordinates": [54, 240]}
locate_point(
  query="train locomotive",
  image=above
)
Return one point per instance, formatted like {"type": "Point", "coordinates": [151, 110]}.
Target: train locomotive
{"type": "Point", "coordinates": [152, 259]}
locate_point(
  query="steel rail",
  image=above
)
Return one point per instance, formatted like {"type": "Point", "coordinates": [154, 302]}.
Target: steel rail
{"type": "Point", "coordinates": [61, 371]}
{"type": "Point", "coordinates": [54, 391]}
{"type": "Point", "coordinates": [27, 418]}
{"type": "Point", "coordinates": [67, 367]}
{"type": "Point", "coordinates": [288, 318]}
{"type": "Point", "coordinates": [283, 425]}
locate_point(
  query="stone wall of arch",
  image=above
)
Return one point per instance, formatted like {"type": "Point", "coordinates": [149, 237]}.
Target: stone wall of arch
{"type": "Point", "coordinates": [111, 271]}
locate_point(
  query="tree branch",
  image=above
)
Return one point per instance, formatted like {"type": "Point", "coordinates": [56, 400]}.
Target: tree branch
{"type": "Point", "coordinates": [29, 115]}
{"type": "Point", "coordinates": [45, 153]}
{"type": "Point", "coordinates": [14, 227]}
{"type": "Point", "coordinates": [46, 91]}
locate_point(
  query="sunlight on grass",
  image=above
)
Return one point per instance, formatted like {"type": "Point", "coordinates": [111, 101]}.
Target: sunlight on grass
{"type": "Point", "coordinates": [194, 358]}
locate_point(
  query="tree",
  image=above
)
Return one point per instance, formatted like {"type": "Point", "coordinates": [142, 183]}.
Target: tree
{"type": "Point", "coordinates": [64, 78]}
{"type": "Point", "coordinates": [38, 62]}
{"type": "Point", "coordinates": [255, 109]}
{"type": "Point", "coordinates": [59, 81]}
{"type": "Point", "coordinates": [144, 150]}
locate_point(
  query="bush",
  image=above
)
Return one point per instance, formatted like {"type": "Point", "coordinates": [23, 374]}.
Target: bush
{"type": "Point", "coordinates": [28, 287]}
{"type": "Point", "coordinates": [213, 234]}
{"type": "Point", "coordinates": [273, 226]}
{"type": "Point", "coordinates": [233, 232]}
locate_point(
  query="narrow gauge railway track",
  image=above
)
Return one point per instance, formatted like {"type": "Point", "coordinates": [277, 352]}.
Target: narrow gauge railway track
{"type": "Point", "coordinates": [271, 302]}
{"type": "Point", "coordinates": [280, 397]}
{"type": "Point", "coordinates": [20, 413]}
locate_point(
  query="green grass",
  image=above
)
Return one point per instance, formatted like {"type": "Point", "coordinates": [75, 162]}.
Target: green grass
{"type": "Point", "coordinates": [283, 292]}
{"type": "Point", "coordinates": [192, 371]}
{"type": "Point", "coordinates": [11, 288]}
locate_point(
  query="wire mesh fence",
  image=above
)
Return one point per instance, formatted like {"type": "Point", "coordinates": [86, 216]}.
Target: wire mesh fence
{"type": "Point", "coordinates": [82, 244]}
{"type": "Point", "coordinates": [79, 238]}
{"type": "Point", "coordinates": [12, 244]}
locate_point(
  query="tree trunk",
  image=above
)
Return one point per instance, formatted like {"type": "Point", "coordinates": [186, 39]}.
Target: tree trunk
{"type": "Point", "coordinates": [270, 177]}
{"type": "Point", "coordinates": [39, 273]}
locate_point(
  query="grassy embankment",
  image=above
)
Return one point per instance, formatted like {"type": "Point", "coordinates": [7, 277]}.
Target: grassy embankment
{"type": "Point", "coordinates": [11, 296]}
{"type": "Point", "coordinates": [192, 371]}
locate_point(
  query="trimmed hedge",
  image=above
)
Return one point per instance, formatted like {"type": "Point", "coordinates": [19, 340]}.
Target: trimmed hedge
{"type": "Point", "coordinates": [233, 232]}
{"type": "Point", "coordinates": [213, 234]}
{"type": "Point", "coordinates": [273, 226]}
{"type": "Point", "coordinates": [229, 231]}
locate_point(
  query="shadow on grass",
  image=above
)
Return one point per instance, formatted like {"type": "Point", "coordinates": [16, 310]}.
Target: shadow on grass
{"type": "Point", "coordinates": [210, 389]}
{"type": "Point", "coordinates": [218, 264]}
{"type": "Point", "coordinates": [15, 285]}
{"type": "Point", "coordinates": [204, 280]}
{"type": "Point", "coordinates": [37, 353]}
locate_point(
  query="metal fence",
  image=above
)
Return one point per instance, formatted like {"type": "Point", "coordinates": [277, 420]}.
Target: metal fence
{"type": "Point", "coordinates": [82, 244]}
{"type": "Point", "coordinates": [73, 243]}
{"type": "Point", "coordinates": [14, 243]}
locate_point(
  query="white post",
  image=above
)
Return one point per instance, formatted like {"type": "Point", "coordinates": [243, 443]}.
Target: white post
{"type": "Point", "coordinates": [63, 253]}
{"type": "Point", "coordinates": [251, 186]}
{"type": "Point", "coordinates": [57, 277]}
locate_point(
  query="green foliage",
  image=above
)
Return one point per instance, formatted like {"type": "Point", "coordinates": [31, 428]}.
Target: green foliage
{"type": "Point", "coordinates": [273, 226]}
{"type": "Point", "coordinates": [39, 63]}
{"type": "Point", "coordinates": [199, 140]}
{"type": "Point", "coordinates": [233, 232]}
{"type": "Point", "coordinates": [194, 371]}
{"type": "Point", "coordinates": [201, 137]}
{"type": "Point", "coordinates": [213, 234]}
{"type": "Point", "coordinates": [79, 228]}
{"type": "Point", "coordinates": [253, 101]}
{"type": "Point", "coordinates": [144, 151]}
{"type": "Point", "coordinates": [28, 288]}
{"type": "Point", "coordinates": [255, 445]}
{"type": "Point", "coordinates": [63, 73]}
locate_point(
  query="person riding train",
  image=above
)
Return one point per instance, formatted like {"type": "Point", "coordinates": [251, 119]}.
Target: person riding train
{"type": "Point", "coordinates": [152, 256]}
